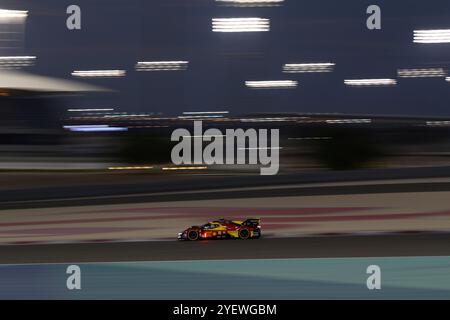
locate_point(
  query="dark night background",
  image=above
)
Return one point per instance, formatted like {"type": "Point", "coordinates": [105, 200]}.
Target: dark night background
{"type": "Point", "coordinates": [117, 33]}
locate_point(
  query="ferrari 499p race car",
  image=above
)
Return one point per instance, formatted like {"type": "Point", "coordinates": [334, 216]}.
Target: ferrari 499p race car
{"type": "Point", "coordinates": [223, 229]}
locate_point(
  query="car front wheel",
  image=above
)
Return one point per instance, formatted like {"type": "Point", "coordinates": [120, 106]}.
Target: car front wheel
{"type": "Point", "coordinates": [193, 235]}
{"type": "Point", "coordinates": [244, 234]}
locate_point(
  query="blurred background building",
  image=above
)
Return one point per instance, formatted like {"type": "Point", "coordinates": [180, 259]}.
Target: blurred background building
{"type": "Point", "coordinates": [302, 71]}
{"type": "Point", "coordinates": [32, 110]}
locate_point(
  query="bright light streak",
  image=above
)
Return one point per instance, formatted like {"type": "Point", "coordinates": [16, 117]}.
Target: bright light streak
{"type": "Point", "coordinates": [283, 119]}
{"type": "Point", "coordinates": [202, 117]}
{"type": "Point", "coordinates": [421, 73]}
{"type": "Point", "coordinates": [162, 66]}
{"type": "Point", "coordinates": [99, 73]}
{"type": "Point", "coordinates": [250, 3]}
{"type": "Point", "coordinates": [308, 67]}
{"type": "Point", "coordinates": [13, 14]}
{"type": "Point", "coordinates": [94, 128]}
{"type": "Point", "coordinates": [183, 168]}
{"type": "Point", "coordinates": [278, 84]}
{"type": "Point", "coordinates": [205, 112]}
{"type": "Point", "coordinates": [447, 79]}
{"type": "Point", "coordinates": [370, 82]}
{"type": "Point", "coordinates": [86, 126]}
{"type": "Point", "coordinates": [131, 168]}
{"type": "Point", "coordinates": [107, 129]}
{"type": "Point", "coordinates": [90, 110]}
{"type": "Point", "coordinates": [341, 121]}
{"type": "Point", "coordinates": [240, 25]}
{"type": "Point", "coordinates": [16, 61]}
{"type": "Point", "coordinates": [438, 123]}
{"type": "Point", "coordinates": [432, 36]}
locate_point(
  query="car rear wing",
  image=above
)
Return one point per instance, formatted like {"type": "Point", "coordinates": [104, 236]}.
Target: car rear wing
{"type": "Point", "coordinates": [252, 223]}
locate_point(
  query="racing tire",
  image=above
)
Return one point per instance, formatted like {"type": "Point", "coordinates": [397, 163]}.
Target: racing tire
{"type": "Point", "coordinates": [244, 234]}
{"type": "Point", "coordinates": [192, 235]}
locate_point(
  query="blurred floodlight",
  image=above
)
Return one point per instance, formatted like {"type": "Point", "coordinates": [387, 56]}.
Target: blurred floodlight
{"type": "Point", "coordinates": [13, 14]}
{"type": "Point", "coordinates": [205, 112]}
{"type": "Point", "coordinates": [421, 73]}
{"type": "Point", "coordinates": [183, 168]}
{"type": "Point", "coordinates": [86, 126]}
{"type": "Point", "coordinates": [370, 82]}
{"type": "Point", "coordinates": [250, 3]}
{"type": "Point", "coordinates": [447, 79]}
{"type": "Point", "coordinates": [99, 73]}
{"type": "Point", "coordinates": [432, 36]}
{"type": "Point", "coordinates": [202, 114]}
{"type": "Point", "coordinates": [269, 119]}
{"type": "Point", "coordinates": [206, 116]}
{"type": "Point", "coordinates": [91, 110]}
{"type": "Point", "coordinates": [278, 84]}
{"type": "Point", "coordinates": [107, 129]}
{"type": "Point", "coordinates": [18, 80]}
{"type": "Point", "coordinates": [162, 66]}
{"type": "Point", "coordinates": [131, 168]}
{"type": "Point", "coordinates": [308, 67]}
{"type": "Point", "coordinates": [16, 62]}
{"type": "Point", "coordinates": [438, 123]}
{"type": "Point", "coordinates": [94, 128]}
{"type": "Point", "coordinates": [12, 31]}
{"type": "Point", "coordinates": [347, 121]}
{"type": "Point", "coordinates": [240, 25]}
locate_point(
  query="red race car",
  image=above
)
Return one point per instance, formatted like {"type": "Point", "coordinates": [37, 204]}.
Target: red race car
{"type": "Point", "coordinates": [223, 229]}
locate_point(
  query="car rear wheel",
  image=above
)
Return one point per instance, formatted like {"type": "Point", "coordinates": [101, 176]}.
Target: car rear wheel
{"type": "Point", "coordinates": [244, 234]}
{"type": "Point", "coordinates": [193, 235]}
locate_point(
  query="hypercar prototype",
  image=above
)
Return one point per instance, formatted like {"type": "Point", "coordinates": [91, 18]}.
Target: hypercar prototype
{"type": "Point", "coordinates": [223, 229]}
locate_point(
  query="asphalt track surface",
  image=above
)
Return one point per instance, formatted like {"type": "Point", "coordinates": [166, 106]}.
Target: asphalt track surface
{"type": "Point", "coordinates": [403, 245]}
{"type": "Point", "coordinates": [430, 244]}
{"type": "Point", "coordinates": [204, 188]}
